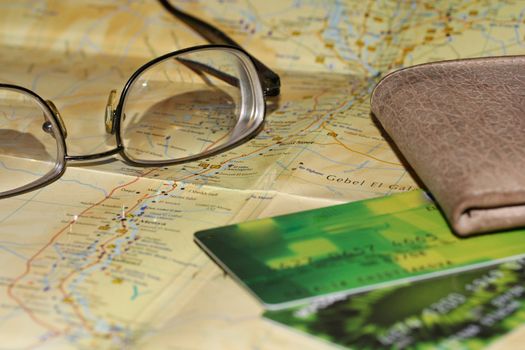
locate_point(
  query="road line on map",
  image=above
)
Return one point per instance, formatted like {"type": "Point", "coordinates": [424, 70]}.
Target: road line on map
{"type": "Point", "coordinates": [11, 286]}
{"type": "Point", "coordinates": [105, 252]}
{"type": "Point", "coordinates": [354, 151]}
{"type": "Point", "coordinates": [99, 259]}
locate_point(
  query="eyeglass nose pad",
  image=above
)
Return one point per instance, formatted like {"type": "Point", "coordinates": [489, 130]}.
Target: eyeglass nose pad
{"type": "Point", "coordinates": [48, 127]}
{"type": "Point", "coordinates": [109, 116]}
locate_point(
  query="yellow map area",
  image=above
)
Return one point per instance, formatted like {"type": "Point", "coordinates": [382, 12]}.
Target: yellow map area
{"type": "Point", "coordinates": [104, 258]}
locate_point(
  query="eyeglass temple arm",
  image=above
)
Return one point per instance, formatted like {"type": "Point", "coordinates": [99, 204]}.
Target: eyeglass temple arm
{"type": "Point", "coordinates": [270, 81]}
{"type": "Point", "coordinates": [201, 67]}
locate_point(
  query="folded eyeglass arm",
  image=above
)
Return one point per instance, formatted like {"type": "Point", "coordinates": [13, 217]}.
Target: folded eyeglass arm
{"type": "Point", "coordinates": [270, 81]}
{"type": "Point", "coordinates": [201, 67]}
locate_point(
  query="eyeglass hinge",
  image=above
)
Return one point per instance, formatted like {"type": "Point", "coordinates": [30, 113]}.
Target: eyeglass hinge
{"type": "Point", "coordinates": [61, 125]}
{"type": "Point", "coordinates": [109, 117]}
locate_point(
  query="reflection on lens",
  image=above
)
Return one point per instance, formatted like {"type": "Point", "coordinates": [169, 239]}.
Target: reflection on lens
{"type": "Point", "coordinates": [186, 105]}
{"type": "Point", "coordinates": [27, 152]}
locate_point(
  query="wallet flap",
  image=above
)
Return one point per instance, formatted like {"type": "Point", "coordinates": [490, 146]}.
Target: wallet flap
{"type": "Point", "coordinates": [461, 126]}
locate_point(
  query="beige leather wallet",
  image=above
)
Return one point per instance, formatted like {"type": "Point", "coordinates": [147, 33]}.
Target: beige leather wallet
{"type": "Point", "coordinates": [461, 126]}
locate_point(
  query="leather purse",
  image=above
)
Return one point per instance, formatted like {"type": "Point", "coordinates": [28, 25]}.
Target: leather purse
{"type": "Point", "coordinates": [461, 126]}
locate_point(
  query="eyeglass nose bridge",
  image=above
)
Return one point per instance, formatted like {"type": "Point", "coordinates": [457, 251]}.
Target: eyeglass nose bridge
{"type": "Point", "coordinates": [109, 116]}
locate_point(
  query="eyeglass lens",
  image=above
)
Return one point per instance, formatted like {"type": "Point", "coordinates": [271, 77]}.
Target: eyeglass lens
{"type": "Point", "coordinates": [27, 152]}
{"type": "Point", "coordinates": [185, 105]}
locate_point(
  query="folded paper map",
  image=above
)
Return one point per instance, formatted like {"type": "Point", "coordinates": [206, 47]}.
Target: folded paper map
{"type": "Point", "coordinates": [104, 257]}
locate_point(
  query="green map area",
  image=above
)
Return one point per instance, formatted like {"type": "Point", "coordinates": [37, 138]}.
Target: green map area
{"type": "Point", "coordinates": [105, 256]}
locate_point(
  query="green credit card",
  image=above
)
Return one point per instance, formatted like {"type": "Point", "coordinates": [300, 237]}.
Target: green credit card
{"type": "Point", "coordinates": [349, 248]}
{"type": "Point", "coordinates": [471, 310]}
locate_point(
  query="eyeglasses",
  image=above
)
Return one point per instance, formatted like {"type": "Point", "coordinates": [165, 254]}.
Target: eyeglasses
{"type": "Point", "coordinates": [183, 106]}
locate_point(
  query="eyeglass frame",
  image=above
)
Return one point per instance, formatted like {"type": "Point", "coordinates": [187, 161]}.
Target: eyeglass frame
{"type": "Point", "coordinates": [268, 81]}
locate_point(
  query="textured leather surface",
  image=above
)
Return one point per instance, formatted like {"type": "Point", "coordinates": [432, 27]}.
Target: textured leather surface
{"type": "Point", "coordinates": [461, 126]}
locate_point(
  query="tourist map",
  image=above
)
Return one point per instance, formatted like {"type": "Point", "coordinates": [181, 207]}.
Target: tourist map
{"type": "Point", "coordinates": [104, 257]}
